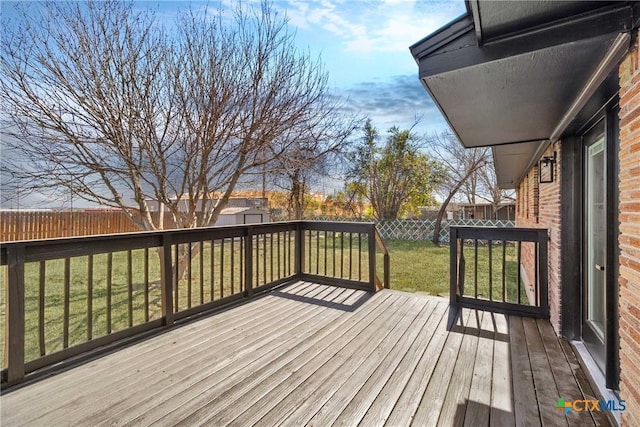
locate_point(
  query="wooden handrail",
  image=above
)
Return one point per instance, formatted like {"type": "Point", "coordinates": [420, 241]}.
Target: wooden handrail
{"type": "Point", "coordinates": [262, 256]}
{"type": "Point", "coordinates": [464, 290]}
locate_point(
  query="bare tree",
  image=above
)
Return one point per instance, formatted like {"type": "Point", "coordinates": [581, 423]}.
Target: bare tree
{"type": "Point", "coordinates": [103, 102]}
{"type": "Point", "coordinates": [316, 153]}
{"type": "Point", "coordinates": [489, 189]}
{"type": "Point", "coordinates": [460, 164]}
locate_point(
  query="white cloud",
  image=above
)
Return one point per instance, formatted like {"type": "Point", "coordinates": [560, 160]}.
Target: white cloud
{"type": "Point", "coordinates": [368, 26]}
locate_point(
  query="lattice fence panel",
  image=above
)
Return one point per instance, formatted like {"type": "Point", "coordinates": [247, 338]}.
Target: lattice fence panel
{"type": "Point", "coordinates": [421, 229]}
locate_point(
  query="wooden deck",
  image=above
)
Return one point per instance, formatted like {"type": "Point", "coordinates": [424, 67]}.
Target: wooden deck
{"type": "Point", "coordinates": [310, 354]}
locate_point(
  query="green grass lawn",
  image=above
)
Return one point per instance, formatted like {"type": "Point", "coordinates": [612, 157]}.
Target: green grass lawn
{"type": "Point", "coordinates": [422, 267]}
{"type": "Point", "coordinates": [419, 266]}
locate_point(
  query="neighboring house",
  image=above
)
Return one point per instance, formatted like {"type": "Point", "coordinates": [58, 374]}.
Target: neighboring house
{"type": "Point", "coordinates": [238, 216]}
{"type": "Point", "coordinates": [554, 88]}
{"type": "Point", "coordinates": [505, 211]}
{"type": "Point", "coordinates": [234, 202]}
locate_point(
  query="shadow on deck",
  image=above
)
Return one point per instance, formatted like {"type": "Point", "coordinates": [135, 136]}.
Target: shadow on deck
{"type": "Point", "coordinates": [311, 354]}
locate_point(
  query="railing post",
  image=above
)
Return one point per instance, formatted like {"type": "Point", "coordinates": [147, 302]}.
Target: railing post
{"type": "Point", "coordinates": [299, 248]}
{"type": "Point", "coordinates": [167, 280]}
{"type": "Point", "coordinates": [387, 271]}
{"type": "Point", "coordinates": [453, 265]}
{"type": "Point", "coordinates": [14, 350]}
{"type": "Point", "coordinates": [248, 262]}
{"type": "Point", "coordinates": [543, 269]}
{"type": "Point", "coordinates": [372, 257]}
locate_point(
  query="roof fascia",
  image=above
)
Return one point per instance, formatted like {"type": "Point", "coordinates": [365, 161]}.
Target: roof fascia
{"type": "Point", "coordinates": [466, 54]}
{"type": "Point", "coordinates": [441, 37]}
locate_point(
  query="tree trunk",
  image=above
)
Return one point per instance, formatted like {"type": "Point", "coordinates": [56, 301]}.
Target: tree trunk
{"type": "Point", "coordinates": [443, 210]}
{"type": "Point", "coordinates": [441, 213]}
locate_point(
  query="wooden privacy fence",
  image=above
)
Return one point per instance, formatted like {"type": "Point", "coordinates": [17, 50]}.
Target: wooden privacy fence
{"type": "Point", "coordinates": [34, 225]}
{"type": "Point", "coordinates": [66, 298]}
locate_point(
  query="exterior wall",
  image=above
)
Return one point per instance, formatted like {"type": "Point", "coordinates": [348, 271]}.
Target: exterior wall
{"type": "Point", "coordinates": [629, 239]}
{"type": "Point", "coordinates": [538, 206]}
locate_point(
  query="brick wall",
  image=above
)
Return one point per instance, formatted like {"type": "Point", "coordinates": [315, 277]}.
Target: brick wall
{"type": "Point", "coordinates": [538, 206]}
{"type": "Point", "coordinates": [629, 281]}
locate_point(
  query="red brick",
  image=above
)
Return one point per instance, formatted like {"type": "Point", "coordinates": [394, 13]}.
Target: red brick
{"type": "Point", "coordinates": [629, 239]}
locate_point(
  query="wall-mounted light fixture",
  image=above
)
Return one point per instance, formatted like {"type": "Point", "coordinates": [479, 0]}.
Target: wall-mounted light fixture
{"type": "Point", "coordinates": [545, 168]}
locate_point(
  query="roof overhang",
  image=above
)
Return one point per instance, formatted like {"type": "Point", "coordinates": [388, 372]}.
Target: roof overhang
{"type": "Point", "coordinates": [515, 75]}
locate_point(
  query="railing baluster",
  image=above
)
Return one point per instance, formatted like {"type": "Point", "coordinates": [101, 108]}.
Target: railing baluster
{"type": "Point", "coordinates": [189, 273]}
{"type": "Point", "coordinates": [504, 270]}
{"type": "Point", "coordinates": [287, 248]}
{"type": "Point", "coordinates": [130, 287]}
{"type": "Point", "coordinates": [490, 270]}
{"type": "Point", "coordinates": [233, 265]}
{"type": "Point", "coordinates": [307, 267]}
{"type": "Point", "coordinates": [317, 252]}
{"type": "Point", "coordinates": [212, 270]}
{"type": "Point", "coordinates": [242, 264]}
{"type": "Point", "coordinates": [222, 268]}
{"type": "Point", "coordinates": [342, 254]}
{"type": "Point", "coordinates": [299, 249]}
{"type": "Point", "coordinates": [279, 275]}
{"type": "Point", "coordinates": [271, 254]}
{"type": "Point", "coordinates": [41, 303]}
{"type": "Point", "coordinates": [67, 292]}
{"type": "Point", "coordinates": [109, 284]}
{"type": "Point", "coordinates": [146, 284]}
{"type": "Point", "coordinates": [350, 255]}
{"type": "Point", "coordinates": [326, 240]}
{"type": "Point", "coordinates": [359, 257]}
{"type": "Point", "coordinates": [175, 279]}
{"type": "Point", "coordinates": [475, 268]}
{"type": "Point", "coordinates": [248, 257]}
{"type": "Point", "coordinates": [519, 276]}
{"type": "Point", "coordinates": [333, 253]}
{"type": "Point", "coordinates": [256, 243]}
{"type": "Point", "coordinates": [89, 296]}
{"type": "Point", "coordinates": [201, 272]}
{"type": "Point", "coordinates": [264, 258]}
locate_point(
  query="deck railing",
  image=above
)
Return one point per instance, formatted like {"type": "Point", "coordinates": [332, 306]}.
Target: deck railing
{"type": "Point", "coordinates": [67, 298]}
{"type": "Point", "coordinates": [500, 269]}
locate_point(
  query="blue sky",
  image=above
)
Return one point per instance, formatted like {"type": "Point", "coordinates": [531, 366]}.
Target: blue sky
{"type": "Point", "coordinates": [364, 45]}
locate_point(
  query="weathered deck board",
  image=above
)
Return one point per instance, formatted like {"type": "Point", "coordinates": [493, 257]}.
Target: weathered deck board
{"type": "Point", "coordinates": [525, 403]}
{"type": "Point", "coordinates": [310, 354]}
{"type": "Point", "coordinates": [501, 387]}
{"type": "Point", "coordinates": [544, 383]}
{"type": "Point", "coordinates": [478, 410]}
{"type": "Point", "coordinates": [352, 410]}
{"type": "Point", "coordinates": [413, 368]}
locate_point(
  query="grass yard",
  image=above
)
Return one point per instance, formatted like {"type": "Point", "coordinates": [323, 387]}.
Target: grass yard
{"type": "Point", "coordinates": [420, 266]}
